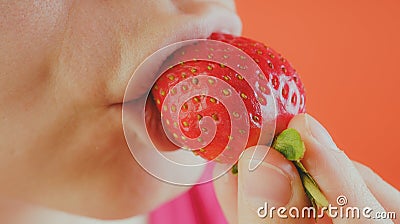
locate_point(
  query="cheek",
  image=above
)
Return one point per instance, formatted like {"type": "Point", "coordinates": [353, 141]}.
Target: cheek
{"type": "Point", "coordinates": [29, 35]}
{"type": "Point", "coordinates": [31, 30]}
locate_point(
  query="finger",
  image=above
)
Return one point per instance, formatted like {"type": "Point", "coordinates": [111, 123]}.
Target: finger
{"type": "Point", "coordinates": [386, 194]}
{"type": "Point", "coordinates": [332, 169]}
{"type": "Point", "coordinates": [274, 183]}
{"type": "Point", "coordinates": [226, 192]}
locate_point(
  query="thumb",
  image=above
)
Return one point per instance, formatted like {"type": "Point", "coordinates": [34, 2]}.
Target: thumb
{"type": "Point", "coordinates": [274, 183]}
{"type": "Point", "coordinates": [335, 173]}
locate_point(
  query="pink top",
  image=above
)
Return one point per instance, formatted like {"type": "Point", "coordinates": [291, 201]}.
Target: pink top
{"type": "Point", "coordinates": [197, 206]}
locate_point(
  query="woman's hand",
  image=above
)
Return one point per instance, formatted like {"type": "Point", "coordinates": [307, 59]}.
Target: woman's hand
{"type": "Point", "coordinates": [276, 183]}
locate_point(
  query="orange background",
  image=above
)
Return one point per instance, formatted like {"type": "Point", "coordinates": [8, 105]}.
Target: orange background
{"type": "Point", "coordinates": [348, 56]}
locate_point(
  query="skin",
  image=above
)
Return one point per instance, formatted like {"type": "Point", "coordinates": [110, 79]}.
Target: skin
{"type": "Point", "coordinates": [64, 66]}
{"type": "Point", "coordinates": [334, 172]}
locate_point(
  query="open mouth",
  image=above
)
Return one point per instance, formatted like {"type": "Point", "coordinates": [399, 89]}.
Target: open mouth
{"type": "Point", "coordinates": [152, 67]}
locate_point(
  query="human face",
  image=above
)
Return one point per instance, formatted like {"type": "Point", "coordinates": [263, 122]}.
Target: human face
{"type": "Point", "coordinates": [64, 66]}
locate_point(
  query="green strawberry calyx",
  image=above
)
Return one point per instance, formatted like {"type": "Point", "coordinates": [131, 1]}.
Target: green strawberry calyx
{"type": "Point", "coordinates": [290, 144]}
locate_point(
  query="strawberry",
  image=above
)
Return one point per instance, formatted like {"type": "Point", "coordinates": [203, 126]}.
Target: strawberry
{"type": "Point", "coordinates": [277, 73]}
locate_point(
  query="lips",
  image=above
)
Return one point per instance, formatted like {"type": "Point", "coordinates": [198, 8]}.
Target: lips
{"type": "Point", "coordinates": [213, 19]}
{"type": "Point", "coordinates": [217, 19]}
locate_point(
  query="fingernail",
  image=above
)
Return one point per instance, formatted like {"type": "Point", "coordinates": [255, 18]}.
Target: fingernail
{"type": "Point", "coordinates": [320, 133]}
{"type": "Point", "coordinates": [259, 153]}
{"type": "Point", "coordinates": [267, 183]}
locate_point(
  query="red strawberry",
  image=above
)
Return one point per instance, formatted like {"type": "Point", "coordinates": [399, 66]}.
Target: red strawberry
{"type": "Point", "coordinates": [283, 79]}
